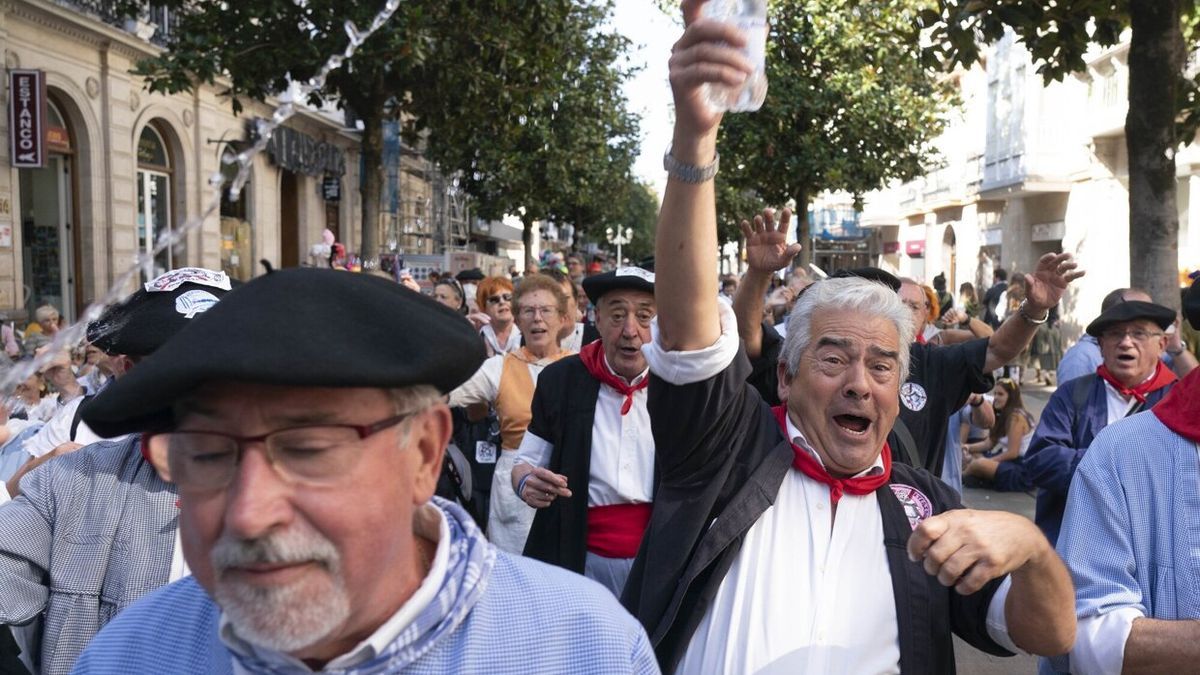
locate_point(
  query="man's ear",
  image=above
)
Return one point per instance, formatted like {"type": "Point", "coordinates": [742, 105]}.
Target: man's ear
{"type": "Point", "coordinates": [154, 449]}
{"type": "Point", "coordinates": [429, 436]}
{"type": "Point", "coordinates": [784, 385]}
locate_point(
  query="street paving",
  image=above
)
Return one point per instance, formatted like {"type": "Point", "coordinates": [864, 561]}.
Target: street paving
{"type": "Point", "coordinates": [971, 661]}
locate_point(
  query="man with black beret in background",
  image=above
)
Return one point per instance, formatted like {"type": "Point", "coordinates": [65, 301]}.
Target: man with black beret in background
{"type": "Point", "coordinates": [1132, 378]}
{"type": "Point", "coordinates": [587, 459]}
{"type": "Point", "coordinates": [306, 508]}
{"type": "Point", "coordinates": [94, 530]}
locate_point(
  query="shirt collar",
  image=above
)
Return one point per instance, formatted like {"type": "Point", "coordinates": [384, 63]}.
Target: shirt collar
{"type": "Point", "coordinates": [801, 442]}
{"type": "Point", "coordinates": [635, 382]}
{"type": "Point", "coordinates": [429, 523]}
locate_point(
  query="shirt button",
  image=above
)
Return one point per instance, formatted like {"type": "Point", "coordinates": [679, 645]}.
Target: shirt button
{"type": "Point", "coordinates": [820, 506]}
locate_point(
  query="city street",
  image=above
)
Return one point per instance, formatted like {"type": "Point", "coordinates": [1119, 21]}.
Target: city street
{"type": "Point", "coordinates": [971, 661]}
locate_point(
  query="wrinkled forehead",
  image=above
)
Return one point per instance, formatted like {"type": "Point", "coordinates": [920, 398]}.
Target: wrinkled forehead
{"type": "Point", "coordinates": [1135, 324]}
{"type": "Point", "coordinates": [627, 298]}
{"type": "Point", "coordinates": [855, 331]}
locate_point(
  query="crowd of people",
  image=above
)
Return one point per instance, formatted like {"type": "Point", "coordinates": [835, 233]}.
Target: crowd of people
{"type": "Point", "coordinates": [647, 469]}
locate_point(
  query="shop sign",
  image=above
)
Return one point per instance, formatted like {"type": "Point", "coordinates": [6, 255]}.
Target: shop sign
{"type": "Point", "coordinates": [301, 153]}
{"type": "Point", "coordinates": [891, 247]}
{"type": "Point", "coordinates": [27, 118]}
{"type": "Point", "coordinates": [992, 237]}
{"type": "Point", "coordinates": [915, 249]}
{"type": "Point", "coordinates": [331, 188]}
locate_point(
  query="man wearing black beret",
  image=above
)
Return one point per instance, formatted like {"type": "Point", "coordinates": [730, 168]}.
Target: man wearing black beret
{"type": "Point", "coordinates": [305, 457]}
{"type": "Point", "coordinates": [587, 459]}
{"type": "Point", "coordinates": [104, 494]}
{"type": "Point", "coordinates": [1132, 378]}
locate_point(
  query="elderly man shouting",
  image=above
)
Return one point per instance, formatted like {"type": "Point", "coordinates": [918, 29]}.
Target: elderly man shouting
{"type": "Point", "coordinates": [305, 487]}
{"type": "Point", "coordinates": [786, 540]}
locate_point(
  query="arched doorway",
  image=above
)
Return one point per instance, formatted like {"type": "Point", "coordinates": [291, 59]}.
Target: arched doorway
{"type": "Point", "coordinates": [155, 184]}
{"type": "Point", "coordinates": [950, 259]}
{"type": "Point", "coordinates": [50, 241]}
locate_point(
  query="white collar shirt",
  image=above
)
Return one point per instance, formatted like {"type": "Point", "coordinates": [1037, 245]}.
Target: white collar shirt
{"type": "Point", "coordinates": [1118, 405]}
{"type": "Point", "coordinates": [807, 593]}
{"type": "Point", "coordinates": [622, 459]}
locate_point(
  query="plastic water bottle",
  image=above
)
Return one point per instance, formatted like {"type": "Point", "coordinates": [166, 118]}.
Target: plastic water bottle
{"type": "Point", "coordinates": [751, 17]}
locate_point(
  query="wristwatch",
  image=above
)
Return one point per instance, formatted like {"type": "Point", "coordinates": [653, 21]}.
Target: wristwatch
{"type": "Point", "coordinates": [1023, 310]}
{"type": "Point", "coordinates": [690, 173]}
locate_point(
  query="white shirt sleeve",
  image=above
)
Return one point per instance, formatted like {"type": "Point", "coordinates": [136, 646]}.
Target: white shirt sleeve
{"type": "Point", "coordinates": [1100, 641]}
{"type": "Point", "coordinates": [681, 368]}
{"type": "Point", "coordinates": [534, 450]}
{"type": "Point", "coordinates": [55, 432]}
{"type": "Point", "coordinates": [4, 496]}
{"type": "Point", "coordinates": [483, 387]}
{"type": "Point", "coordinates": [997, 622]}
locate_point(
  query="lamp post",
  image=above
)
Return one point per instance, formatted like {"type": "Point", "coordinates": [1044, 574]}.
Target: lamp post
{"type": "Point", "coordinates": [619, 238]}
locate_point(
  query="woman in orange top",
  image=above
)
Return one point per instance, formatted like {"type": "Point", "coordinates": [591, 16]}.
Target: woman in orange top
{"type": "Point", "coordinates": [507, 381]}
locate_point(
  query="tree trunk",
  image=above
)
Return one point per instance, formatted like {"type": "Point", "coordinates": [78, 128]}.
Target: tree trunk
{"type": "Point", "coordinates": [803, 230]}
{"type": "Point", "coordinates": [1156, 59]}
{"type": "Point", "coordinates": [527, 240]}
{"type": "Point", "coordinates": [371, 184]}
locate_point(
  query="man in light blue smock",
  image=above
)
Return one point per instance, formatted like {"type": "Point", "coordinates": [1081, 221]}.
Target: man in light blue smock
{"type": "Point", "coordinates": [305, 457]}
{"type": "Point", "coordinates": [1131, 539]}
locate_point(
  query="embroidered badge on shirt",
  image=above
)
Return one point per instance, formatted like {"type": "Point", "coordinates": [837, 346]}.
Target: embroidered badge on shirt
{"type": "Point", "coordinates": [916, 505]}
{"type": "Point", "coordinates": [195, 275]}
{"type": "Point", "coordinates": [913, 396]}
{"type": "Point", "coordinates": [485, 453]}
{"type": "Point", "coordinates": [194, 302]}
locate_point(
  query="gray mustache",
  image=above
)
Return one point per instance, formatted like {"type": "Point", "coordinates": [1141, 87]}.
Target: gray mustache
{"type": "Point", "coordinates": [276, 549]}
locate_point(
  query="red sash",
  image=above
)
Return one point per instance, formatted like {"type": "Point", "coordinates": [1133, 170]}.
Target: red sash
{"type": "Point", "coordinates": [615, 531]}
{"type": "Point", "coordinates": [1179, 410]}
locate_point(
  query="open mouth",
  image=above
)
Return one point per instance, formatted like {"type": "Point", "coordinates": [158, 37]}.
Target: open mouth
{"type": "Point", "coordinates": [629, 351]}
{"type": "Point", "coordinates": [536, 331]}
{"type": "Point", "coordinates": [853, 423]}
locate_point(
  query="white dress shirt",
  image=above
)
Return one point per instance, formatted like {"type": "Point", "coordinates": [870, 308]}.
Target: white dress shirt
{"type": "Point", "coordinates": [622, 464]}
{"type": "Point", "coordinates": [429, 523]}
{"type": "Point", "coordinates": [820, 603]}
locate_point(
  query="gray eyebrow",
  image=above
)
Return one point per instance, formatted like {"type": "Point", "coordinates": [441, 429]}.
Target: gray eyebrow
{"type": "Point", "coordinates": [826, 341]}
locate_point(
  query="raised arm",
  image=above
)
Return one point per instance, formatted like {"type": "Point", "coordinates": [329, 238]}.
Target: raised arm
{"type": "Point", "coordinates": [686, 244]}
{"type": "Point", "coordinates": [1045, 287]}
{"type": "Point", "coordinates": [767, 252]}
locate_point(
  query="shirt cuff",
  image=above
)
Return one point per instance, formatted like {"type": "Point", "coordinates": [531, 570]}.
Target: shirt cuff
{"type": "Point", "coordinates": [534, 450]}
{"type": "Point", "coordinates": [997, 621]}
{"type": "Point", "coordinates": [1100, 642]}
{"type": "Point", "coordinates": [4, 496]}
{"type": "Point", "coordinates": [680, 368]}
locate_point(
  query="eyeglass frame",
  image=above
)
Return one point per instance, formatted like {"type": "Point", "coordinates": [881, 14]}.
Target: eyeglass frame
{"type": "Point", "coordinates": [364, 432]}
{"type": "Point", "coordinates": [1111, 333]}
{"type": "Point", "coordinates": [528, 312]}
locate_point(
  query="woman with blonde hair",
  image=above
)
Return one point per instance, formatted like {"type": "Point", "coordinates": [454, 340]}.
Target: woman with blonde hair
{"type": "Point", "coordinates": [507, 381]}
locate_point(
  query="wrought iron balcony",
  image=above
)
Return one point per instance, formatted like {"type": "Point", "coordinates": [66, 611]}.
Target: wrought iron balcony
{"type": "Point", "coordinates": [153, 23]}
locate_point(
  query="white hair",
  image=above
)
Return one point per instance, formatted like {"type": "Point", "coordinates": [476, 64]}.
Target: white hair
{"type": "Point", "coordinates": [845, 295]}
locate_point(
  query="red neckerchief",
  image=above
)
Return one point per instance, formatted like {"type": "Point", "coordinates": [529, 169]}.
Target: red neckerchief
{"type": "Point", "coordinates": [1180, 408]}
{"type": "Point", "coordinates": [592, 355]}
{"type": "Point", "coordinates": [921, 337]}
{"type": "Point", "coordinates": [1162, 378]}
{"type": "Point", "coordinates": [804, 462]}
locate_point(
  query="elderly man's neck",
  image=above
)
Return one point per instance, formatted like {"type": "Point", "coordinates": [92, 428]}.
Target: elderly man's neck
{"type": "Point", "coordinates": [409, 579]}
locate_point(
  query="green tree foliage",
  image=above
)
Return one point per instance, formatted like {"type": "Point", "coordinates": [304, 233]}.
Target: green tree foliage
{"type": "Point", "coordinates": [640, 212]}
{"type": "Point", "coordinates": [850, 106]}
{"type": "Point", "coordinates": [1164, 104]}
{"type": "Point", "coordinates": [512, 80]}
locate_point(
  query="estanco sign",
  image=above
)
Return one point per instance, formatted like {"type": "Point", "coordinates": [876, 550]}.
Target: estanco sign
{"type": "Point", "coordinates": [27, 118]}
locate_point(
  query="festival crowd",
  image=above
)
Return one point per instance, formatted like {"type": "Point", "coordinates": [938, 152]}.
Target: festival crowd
{"type": "Point", "coordinates": [643, 470]}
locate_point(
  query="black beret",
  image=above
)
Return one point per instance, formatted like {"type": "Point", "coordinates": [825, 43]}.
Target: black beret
{"type": "Point", "coordinates": [871, 274]}
{"type": "Point", "coordinates": [1191, 304]}
{"type": "Point", "coordinates": [1132, 310]}
{"type": "Point", "coordinates": [161, 308]}
{"type": "Point", "coordinates": [301, 327]}
{"type": "Point", "coordinates": [630, 278]}
{"type": "Point", "coordinates": [473, 274]}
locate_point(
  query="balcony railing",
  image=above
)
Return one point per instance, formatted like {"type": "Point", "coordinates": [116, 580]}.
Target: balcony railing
{"type": "Point", "coordinates": [154, 24]}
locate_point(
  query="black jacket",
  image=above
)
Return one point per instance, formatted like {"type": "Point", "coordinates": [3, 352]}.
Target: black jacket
{"type": "Point", "coordinates": [564, 411]}
{"type": "Point", "coordinates": [720, 459]}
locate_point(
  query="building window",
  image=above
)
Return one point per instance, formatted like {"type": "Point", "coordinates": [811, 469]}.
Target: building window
{"type": "Point", "coordinates": [154, 219]}
{"type": "Point", "coordinates": [237, 233]}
